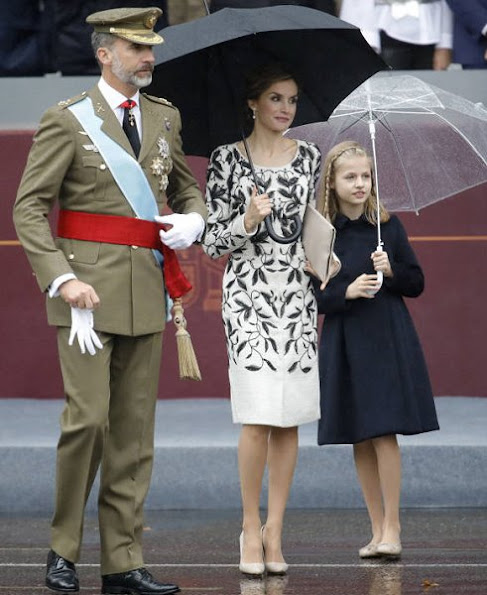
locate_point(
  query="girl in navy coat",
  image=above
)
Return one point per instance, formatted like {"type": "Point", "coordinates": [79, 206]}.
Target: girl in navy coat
{"type": "Point", "coordinates": [374, 381]}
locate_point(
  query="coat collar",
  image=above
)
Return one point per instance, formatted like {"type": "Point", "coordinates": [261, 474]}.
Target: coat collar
{"type": "Point", "coordinates": [342, 221]}
{"type": "Point", "coordinates": [111, 125]}
{"type": "Point", "coordinates": [151, 125]}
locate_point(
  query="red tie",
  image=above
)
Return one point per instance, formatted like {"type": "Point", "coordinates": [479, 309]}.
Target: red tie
{"type": "Point", "coordinates": [128, 103]}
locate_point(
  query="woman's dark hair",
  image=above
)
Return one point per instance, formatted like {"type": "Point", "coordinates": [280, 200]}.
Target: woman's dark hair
{"type": "Point", "coordinates": [258, 80]}
{"type": "Point", "coordinates": [262, 77]}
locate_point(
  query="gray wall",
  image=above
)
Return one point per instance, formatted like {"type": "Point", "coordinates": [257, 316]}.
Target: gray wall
{"type": "Point", "coordinates": [23, 100]}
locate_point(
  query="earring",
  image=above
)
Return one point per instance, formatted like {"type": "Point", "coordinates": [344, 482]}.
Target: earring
{"type": "Point", "coordinates": [253, 113]}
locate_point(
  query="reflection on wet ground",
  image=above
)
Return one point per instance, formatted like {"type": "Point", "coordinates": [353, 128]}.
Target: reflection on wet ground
{"type": "Point", "coordinates": [445, 553]}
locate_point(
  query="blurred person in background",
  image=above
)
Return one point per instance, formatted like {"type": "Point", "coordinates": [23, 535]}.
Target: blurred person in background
{"type": "Point", "coordinates": [324, 5]}
{"type": "Point", "coordinates": [409, 35]}
{"type": "Point", "coordinates": [469, 32]}
{"type": "Point", "coordinates": [183, 11]}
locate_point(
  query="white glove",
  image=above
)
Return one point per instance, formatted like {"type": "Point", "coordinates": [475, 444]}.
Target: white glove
{"type": "Point", "coordinates": [82, 328]}
{"type": "Point", "coordinates": [185, 230]}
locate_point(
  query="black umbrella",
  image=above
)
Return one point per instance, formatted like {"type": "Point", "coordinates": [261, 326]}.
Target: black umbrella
{"type": "Point", "coordinates": [202, 64]}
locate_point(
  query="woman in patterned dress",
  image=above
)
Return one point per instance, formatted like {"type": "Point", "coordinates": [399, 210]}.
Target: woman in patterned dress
{"type": "Point", "coordinates": [269, 309]}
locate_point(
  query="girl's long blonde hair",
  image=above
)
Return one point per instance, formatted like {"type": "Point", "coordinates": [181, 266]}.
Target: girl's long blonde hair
{"type": "Point", "coordinates": [327, 203]}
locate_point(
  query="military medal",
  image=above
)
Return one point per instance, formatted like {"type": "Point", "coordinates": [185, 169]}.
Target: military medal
{"type": "Point", "coordinates": [162, 165]}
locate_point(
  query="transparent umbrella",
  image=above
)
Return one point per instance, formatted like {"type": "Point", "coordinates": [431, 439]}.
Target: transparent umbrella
{"type": "Point", "coordinates": [427, 144]}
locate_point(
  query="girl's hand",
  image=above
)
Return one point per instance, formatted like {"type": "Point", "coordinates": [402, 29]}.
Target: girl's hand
{"type": "Point", "coordinates": [259, 207]}
{"type": "Point", "coordinates": [364, 286]}
{"type": "Point", "coordinates": [381, 263]}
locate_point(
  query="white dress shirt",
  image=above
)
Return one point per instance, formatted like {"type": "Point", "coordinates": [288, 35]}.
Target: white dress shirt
{"type": "Point", "coordinates": [114, 98]}
{"type": "Point", "coordinates": [433, 25]}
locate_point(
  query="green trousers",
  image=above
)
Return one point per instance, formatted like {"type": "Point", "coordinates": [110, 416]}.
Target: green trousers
{"type": "Point", "coordinates": [108, 425]}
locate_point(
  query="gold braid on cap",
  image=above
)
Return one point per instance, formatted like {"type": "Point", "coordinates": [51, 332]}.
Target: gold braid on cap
{"type": "Point", "coordinates": [122, 31]}
{"type": "Point", "coordinates": [150, 21]}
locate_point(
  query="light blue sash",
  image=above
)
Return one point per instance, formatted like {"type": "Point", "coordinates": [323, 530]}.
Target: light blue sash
{"type": "Point", "coordinates": [126, 171]}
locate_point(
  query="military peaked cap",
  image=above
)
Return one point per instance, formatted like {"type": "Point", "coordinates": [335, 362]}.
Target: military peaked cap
{"type": "Point", "coordinates": [133, 24]}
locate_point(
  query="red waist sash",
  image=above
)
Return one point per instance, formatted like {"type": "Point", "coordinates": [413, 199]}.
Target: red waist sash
{"type": "Point", "coordinates": [126, 231]}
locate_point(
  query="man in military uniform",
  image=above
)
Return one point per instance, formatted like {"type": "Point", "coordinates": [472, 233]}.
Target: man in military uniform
{"type": "Point", "coordinates": [111, 159]}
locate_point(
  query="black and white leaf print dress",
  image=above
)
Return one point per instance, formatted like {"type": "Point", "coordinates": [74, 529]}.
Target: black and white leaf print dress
{"type": "Point", "coordinates": [269, 309]}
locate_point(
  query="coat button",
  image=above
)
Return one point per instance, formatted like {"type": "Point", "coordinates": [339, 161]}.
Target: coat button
{"type": "Point", "coordinates": [103, 166]}
{"type": "Point", "coordinates": [134, 247]}
{"type": "Point", "coordinates": [71, 257]}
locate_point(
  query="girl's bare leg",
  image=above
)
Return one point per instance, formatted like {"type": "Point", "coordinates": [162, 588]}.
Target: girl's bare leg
{"type": "Point", "coordinates": [389, 465]}
{"type": "Point", "coordinates": [368, 474]}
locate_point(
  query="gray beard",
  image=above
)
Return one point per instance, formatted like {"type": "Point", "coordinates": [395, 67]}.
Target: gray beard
{"type": "Point", "coordinates": [129, 77]}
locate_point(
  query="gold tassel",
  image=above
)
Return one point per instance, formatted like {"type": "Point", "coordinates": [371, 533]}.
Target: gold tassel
{"type": "Point", "coordinates": [188, 366]}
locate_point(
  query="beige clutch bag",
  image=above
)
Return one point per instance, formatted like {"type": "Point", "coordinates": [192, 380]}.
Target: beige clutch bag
{"type": "Point", "coordinates": [319, 241]}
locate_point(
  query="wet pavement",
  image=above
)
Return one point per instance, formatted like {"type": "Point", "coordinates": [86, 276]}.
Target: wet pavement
{"type": "Point", "coordinates": [444, 553]}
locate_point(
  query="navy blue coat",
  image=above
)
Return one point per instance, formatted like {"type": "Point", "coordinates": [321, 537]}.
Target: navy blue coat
{"type": "Point", "coordinates": [374, 380]}
{"type": "Point", "coordinates": [469, 45]}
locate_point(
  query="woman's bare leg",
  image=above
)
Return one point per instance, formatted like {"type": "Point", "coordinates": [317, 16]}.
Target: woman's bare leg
{"type": "Point", "coordinates": [252, 456]}
{"type": "Point", "coordinates": [281, 461]}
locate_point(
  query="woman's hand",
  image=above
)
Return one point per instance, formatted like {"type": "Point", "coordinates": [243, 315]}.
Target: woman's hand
{"type": "Point", "coordinates": [381, 263]}
{"type": "Point", "coordinates": [259, 207]}
{"type": "Point", "coordinates": [364, 286]}
{"type": "Point", "coordinates": [309, 269]}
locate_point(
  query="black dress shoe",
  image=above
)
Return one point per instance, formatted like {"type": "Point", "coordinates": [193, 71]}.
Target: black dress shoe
{"type": "Point", "coordinates": [61, 574]}
{"type": "Point", "coordinates": [135, 582]}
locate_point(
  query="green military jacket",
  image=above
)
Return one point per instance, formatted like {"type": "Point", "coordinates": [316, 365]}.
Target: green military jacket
{"type": "Point", "coordinates": [64, 170]}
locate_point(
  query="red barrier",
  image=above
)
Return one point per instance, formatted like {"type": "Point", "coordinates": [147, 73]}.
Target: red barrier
{"type": "Point", "coordinates": [449, 238]}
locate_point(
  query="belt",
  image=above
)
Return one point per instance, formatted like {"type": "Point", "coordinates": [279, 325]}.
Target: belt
{"type": "Point", "coordinates": [126, 231]}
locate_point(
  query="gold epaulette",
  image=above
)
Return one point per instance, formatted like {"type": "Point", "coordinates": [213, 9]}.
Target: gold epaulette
{"type": "Point", "coordinates": [75, 99]}
{"type": "Point", "coordinates": [158, 99]}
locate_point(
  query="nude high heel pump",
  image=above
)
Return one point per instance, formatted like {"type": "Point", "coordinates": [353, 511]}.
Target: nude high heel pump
{"type": "Point", "coordinates": [250, 568]}
{"type": "Point", "coordinates": [273, 567]}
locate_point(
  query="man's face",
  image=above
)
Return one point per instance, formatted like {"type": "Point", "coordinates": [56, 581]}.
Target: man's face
{"type": "Point", "coordinates": [132, 63]}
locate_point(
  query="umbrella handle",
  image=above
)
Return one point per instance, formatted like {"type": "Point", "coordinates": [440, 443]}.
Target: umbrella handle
{"type": "Point", "coordinates": [284, 239]}
{"type": "Point", "coordinates": [380, 274]}
{"type": "Point", "coordinates": [268, 221]}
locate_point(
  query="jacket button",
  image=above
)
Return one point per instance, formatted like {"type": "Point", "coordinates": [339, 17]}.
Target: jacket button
{"type": "Point", "coordinates": [71, 257]}
{"type": "Point", "coordinates": [134, 247]}
{"type": "Point", "coordinates": [103, 166]}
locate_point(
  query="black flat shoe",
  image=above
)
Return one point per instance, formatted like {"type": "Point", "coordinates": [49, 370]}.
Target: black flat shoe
{"type": "Point", "coordinates": [135, 582]}
{"type": "Point", "coordinates": [61, 574]}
